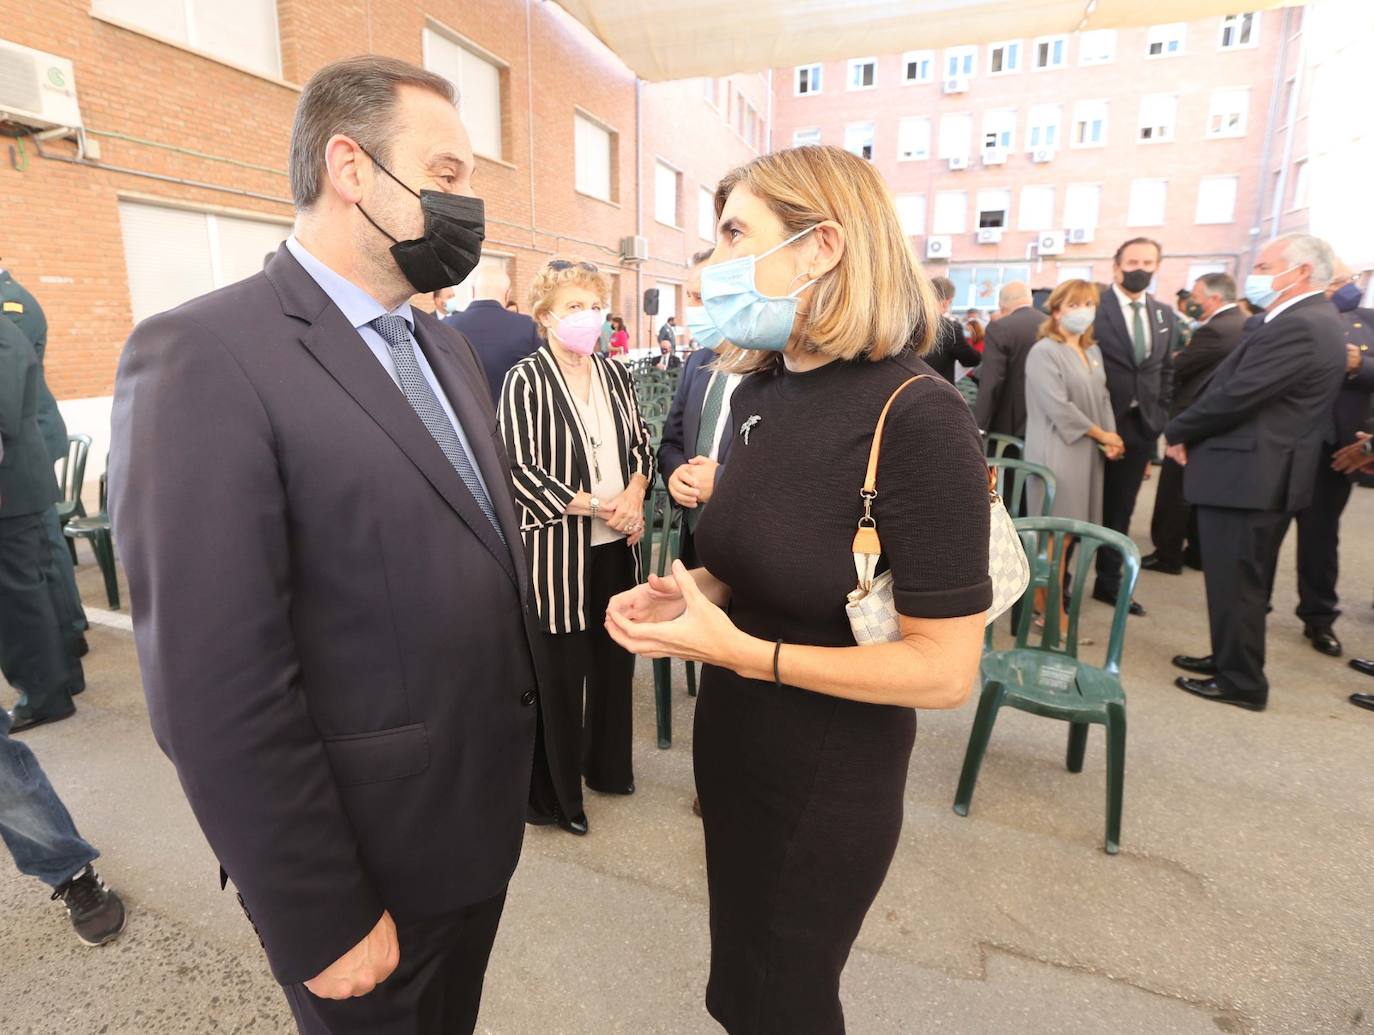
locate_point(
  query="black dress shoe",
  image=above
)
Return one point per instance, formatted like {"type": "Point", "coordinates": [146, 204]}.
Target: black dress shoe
{"type": "Point", "coordinates": [1212, 690]}
{"type": "Point", "coordinates": [1192, 560]}
{"type": "Point", "coordinates": [1365, 665]}
{"type": "Point", "coordinates": [605, 789]}
{"type": "Point", "coordinates": [1363, 701]}
{"type": "Point", "coordinates": [1153, 563]}
{"type": "Point", "coordinates": [1110, 598]}
{"type": "Point", "coordinates": [1206, 665]}
{"type": "Point", "coordinates": [22, 719]}
{"type": "Point", "coordinates": [1323, 640]}
{"type": "Point", "coordinates": [576, 825]}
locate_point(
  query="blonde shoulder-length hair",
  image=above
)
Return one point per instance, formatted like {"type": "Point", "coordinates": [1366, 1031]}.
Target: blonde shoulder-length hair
{"type": "Point", "coordinates": [1069, 293]}
{"type": "Point", "coordinates": [877, 302]}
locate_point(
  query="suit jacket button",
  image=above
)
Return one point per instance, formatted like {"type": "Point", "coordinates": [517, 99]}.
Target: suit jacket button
{"type": "Point", "coordinates": [527, 698]}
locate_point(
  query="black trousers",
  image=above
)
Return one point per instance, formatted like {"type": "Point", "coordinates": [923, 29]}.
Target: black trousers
{"type": "Point", "coordinates": [1173, 525]}
{"type": "Point", "coordinates": [34, 654]}
{"type": "Point", "coordinates": [69, 609]}
{"type": "Point", "coordinates": [1237, 564]}
{"type": "Point", "coordinates": [436, 988]}
{"type": "Point", "coordinates": [1120, 487]}
{"type": "Point", "coordinates": [585, 704]}
{"type": "Point", "coordinates": [1319, 544]}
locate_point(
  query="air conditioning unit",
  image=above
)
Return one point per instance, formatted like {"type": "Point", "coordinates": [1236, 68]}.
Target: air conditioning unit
{"type": "Point", "coordinates": [995, 156]}
{"type": "Point", "coordinates": [938, 247]}
{"type": "Point", "coordinates": [958, 85]}
{"type": "Point", "coordinates": [1080, 234]}
{"type": "Point", "coordinates": [1042, 155]}
{"type": "Point", "coordinates": [955, 164]}
{"type": "Point", "coordinates": [37, 89]}
{"type": "Point", "coordinates": [989, 234]}
{"type": "Point", "coordinates": [1051, 242]}
{"type": "Point", "coordinates": [634, 249]}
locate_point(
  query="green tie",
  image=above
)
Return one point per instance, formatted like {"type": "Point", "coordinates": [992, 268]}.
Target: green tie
{"type": "Point", "coordinates": [1142, 348]}
{"type": "Point", "coordinates": [706, 434]}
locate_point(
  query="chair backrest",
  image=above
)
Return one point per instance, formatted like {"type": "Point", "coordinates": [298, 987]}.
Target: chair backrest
{"type": "Point", "coordinates": [997, 444]}
{"type": "Point", "coordinates": [1045, 540]}
{"type": "Point", "coordinates": [1012, 477]}
{"type": "Point", "coordinates": [73, 467]}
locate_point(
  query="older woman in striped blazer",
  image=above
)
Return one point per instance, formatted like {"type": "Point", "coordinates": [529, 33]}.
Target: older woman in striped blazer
{"type": "Point", "coordinates": [581, 462]}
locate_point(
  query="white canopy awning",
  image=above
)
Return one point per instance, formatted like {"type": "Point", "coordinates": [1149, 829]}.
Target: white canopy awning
{"type": "Point", "coordinates": [680, 39]}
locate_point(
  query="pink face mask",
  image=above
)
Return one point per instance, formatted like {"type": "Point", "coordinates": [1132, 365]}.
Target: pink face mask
{"type": "Point", "coordinates": [580, 332]}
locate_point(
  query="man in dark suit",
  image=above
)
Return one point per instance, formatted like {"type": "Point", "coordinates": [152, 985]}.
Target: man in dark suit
{"type": "Point", "coordinates": [1217, 335]}
{"type": "Point", "coordinates": [1001, 406]}
{"type": "Point", "coordinates": [502, 338]}
{"type": "Point", "coordinates": [329, 593]}
{"type": "Point", "coordinates": [1136, 335]}
{"type": "Point", "coordinates": [1319, 523]}
{"type": "Point", "coordinates": [951, 343]}
{"type": "Point", "coordinates": [34, 655]}
{"type": "Point", "coordinates": [1251, 444]}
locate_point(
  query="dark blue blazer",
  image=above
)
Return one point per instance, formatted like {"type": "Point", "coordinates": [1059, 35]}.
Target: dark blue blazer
{"type": "Point", "coordinates": [684, 418]}
{"type": "Point", "coordinates": [502, 338]}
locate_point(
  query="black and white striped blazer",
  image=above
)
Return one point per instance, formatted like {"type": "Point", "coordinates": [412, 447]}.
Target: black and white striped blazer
{"type": "Point", "coordinates": [549, 467]}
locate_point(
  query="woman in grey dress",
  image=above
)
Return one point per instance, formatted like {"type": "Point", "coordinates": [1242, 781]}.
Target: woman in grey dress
{"type": "Point", "coordinates": [1069, 423]}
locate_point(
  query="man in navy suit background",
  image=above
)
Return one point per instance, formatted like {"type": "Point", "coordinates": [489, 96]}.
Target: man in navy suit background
{"type": "Point", "coordinates": [501, 337]}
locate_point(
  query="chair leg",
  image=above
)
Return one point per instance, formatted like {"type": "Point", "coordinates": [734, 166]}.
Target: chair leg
{"type": "Point", "coordinates": [988, 703]}
{"type": "Point", "coordinates": [691, 679]}
{"type": "Point", "coordinates": [1116, 773]}
{"type": "Point", "coordinates": [71, 548]}
{"type": "Point", "coordinates": [663, 701]}
{"type": "Point", "coordinates": [1078, 743]}
{"type": "Point", "coordinates": [104, 555]}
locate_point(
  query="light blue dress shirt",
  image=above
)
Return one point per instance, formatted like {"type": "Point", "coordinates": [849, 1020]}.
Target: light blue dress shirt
{"type": "Point", "coordinates": [360, 309]}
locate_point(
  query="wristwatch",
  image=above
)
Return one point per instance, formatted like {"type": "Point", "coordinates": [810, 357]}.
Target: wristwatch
{"type": "Point", "coordinates": [595, 505]}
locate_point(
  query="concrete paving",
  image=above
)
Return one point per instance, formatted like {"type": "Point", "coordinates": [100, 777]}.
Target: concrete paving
{"type": "Point", "coordinates": [1242, 900]}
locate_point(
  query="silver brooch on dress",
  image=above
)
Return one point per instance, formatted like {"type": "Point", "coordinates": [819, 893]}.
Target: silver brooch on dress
{"type": "Point", "coordinates": [749, 426]}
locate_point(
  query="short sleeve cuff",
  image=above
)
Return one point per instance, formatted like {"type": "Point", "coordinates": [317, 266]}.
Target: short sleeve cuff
{"type": "Point", "coordinates": [944, 603]}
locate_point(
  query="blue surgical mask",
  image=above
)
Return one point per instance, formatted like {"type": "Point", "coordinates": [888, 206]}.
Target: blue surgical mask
{"type": "Point", "coordinates": [454, 304]}
{"type": "Point", "coordinates": [1346, 297]}
{"type": "Point", "coordinates": [743, 316]}
{"type": "Point", "coordinates": [1260, 290]}
{"type": "Point", "coordinates": [706, 333]}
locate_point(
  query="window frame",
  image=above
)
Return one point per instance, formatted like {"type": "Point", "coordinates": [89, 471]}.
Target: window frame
{"type": "Point", "coordinates": [925, 213]}
{"type": "Point", "coordinates": [928, 56]}
{"type": "Point", "coordinates": [612, 157]}
{"type": "Point", "coordinates": [1032, 124]}
{"type": "Point", "coordinates": [1022, 208]}
{"type": "Point", "coordinates": [814, 84]}
{"type": "Point", "coordinates": [661, 163]}
{"type": "Point", "coordinates": [934, 213]}
{"type": "Point", "coordinates": [1171, 127]}
{"type": "Point", "coordinates": [806, 129]}
{"type": "Point", "coordinates": [1088, 58]}
{"type": "Point", "coordinates": [1105, 108]}
{"type": "Point", "coordinates": [1234, 180]}
{"type": "Point", "coordinates": [979, 208]}
{"type": "Point", "coordinates": [1039, 41]}
{"type": "Point", "coordinates": [1010, 47]}
{"type": "Point", "coordinates": [1069, 191]}
{"type": "Point", "coordinates": [432, 27]}
{"type": "Point", "coordinates": [852, 65]}
{"type": "Point", "coordinates": [929, 138]}
{"type": "Point", "coordinates": [1212, 113]}
{"type": "Point", "coordinates": [872, 138]}
{"type": "Point", "coordinates": [1164, 42]}
{"type": "Point", "coordinates": [966, 53]}
{"type": "Point", "coordinates": [1253, 42]}
{"type": "Point", "coordinates": [1131, 222]}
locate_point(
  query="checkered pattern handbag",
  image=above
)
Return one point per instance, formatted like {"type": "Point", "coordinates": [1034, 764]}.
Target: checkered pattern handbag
{"type": "Point", "coordinates": [871, 608]}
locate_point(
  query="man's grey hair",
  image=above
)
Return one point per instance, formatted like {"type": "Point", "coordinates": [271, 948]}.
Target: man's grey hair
{"type": "Point", "coordinates": [355, 97]}
{"type": "Point", "coordinates": [1300, 249]}
{"type": "Point", "coordinates": [1222, 285]}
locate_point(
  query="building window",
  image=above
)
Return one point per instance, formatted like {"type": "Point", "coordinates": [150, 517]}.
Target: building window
{"type": "Point", "coordinates": [593, 157]}
{"type": "Point", "coordinates": [858, 139]}
{"type": "Point", "coordinates": [706, 214]}
{"type": "Point", "coordinates": [1165, 40]}
{"type": "Point", "coordinates": [1082, 203]}
{"type": "Point", "coordinates": [1227, 112]}
{"type": "Point", "coordinates": [1089, 124]}
{"type": "Point", "coordinates": [1300, 184]}
{"type": "Point", "coordinates": [1051, 51]}
{"type": "Point", "coordinates": [1146, 207]}
{"type": "Point", "coordinates": [1240, 30]}
{"type": "Point", "coordinates": [918, 66]}
{"type": "Point", "coordinates": [478, 82]}
{"type": "Point", "coordinates": [708, 91]}
{"type": "Point", "coordinates": [956, 136]}
{"type": "Point", "coordinates": [999, 129]}
{"type": "Point", "coordinates": [806, 137]}
{"type": "Point", "coordinates": [913, 139]}
{"type": "Point", "coordinates": [1097, 47]}
{"type": "Point", "coordinates": [961, 62]}
{"type": "Point", "coordinates": [666, 190]}
{"type": "Point", "coordinates": [174, 255]}
{"type": "Point", "coordinates": [243, 34]}
{"type": "Point", "coordinates": [1042, 127]}
{"type": "Point", "coordinates": [911, 210]}
{"type": "Point", "coordinates": [994, 207]}
{"type": "Point", "coordinates": [863, 73]}
{"type": "Point", "coordinates": [1037, 209]}
{"type": "Point", "coordinates": [808, 79]}
{"type": "Point", "coordinates": [1004, 57]}
{"type": "Point", "coordinates": [1158, 115]}
{"type": "Point", "coordinates": [1216, 199]}
{"type": "Point", "coordinates": [951, 212]}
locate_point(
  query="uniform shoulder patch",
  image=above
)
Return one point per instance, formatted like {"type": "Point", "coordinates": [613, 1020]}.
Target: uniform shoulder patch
{"type": "Point", "coordinates": [14, 307]}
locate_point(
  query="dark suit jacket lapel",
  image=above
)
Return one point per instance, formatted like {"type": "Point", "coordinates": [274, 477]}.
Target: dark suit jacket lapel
{"type": "Point", "coordinates": [1116, 320]}
{"type": "Point", "coordinates": [1161, 330]}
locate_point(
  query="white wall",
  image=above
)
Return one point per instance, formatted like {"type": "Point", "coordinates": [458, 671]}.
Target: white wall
{"type": "Point", "coordinates": [90, 417]}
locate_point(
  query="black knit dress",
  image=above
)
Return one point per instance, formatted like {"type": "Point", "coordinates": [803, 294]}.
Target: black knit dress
{"type": "Point", "coordinates": [802, 793]}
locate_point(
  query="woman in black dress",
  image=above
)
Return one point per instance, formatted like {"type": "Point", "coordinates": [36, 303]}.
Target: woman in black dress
{"type": "Point", "coordinates": [802, 739]}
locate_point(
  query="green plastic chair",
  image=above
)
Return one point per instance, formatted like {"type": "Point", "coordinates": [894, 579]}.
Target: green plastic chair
{"type": "Point", "coordinates": [1049, 679]}
{"type": "Point", "coordinates": [96, 529]}
{"type": "Point", "coordinates": [996, 444]}
{"type": "Point", "coordinates": [1018, 473]}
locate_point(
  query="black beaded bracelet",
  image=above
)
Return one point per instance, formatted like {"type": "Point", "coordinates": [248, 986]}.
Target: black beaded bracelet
{"type": "Point", "coordinates": [777, 653]}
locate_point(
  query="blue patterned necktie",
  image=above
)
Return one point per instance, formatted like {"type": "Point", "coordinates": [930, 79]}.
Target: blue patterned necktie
{"type": "Point", "coordinates": [420, 395]}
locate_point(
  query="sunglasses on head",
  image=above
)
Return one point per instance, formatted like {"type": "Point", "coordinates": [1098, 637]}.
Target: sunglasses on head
{"type": "Point", "coordinates": [564, 264]}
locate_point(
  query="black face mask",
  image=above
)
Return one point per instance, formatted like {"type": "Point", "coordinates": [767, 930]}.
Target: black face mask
{"type": "Point", "coordinates": [1136, 281]}
{"type": "Point", "coordinates": [455, 227]}
{"type": "Point", "coordinates": [1194, 310]}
